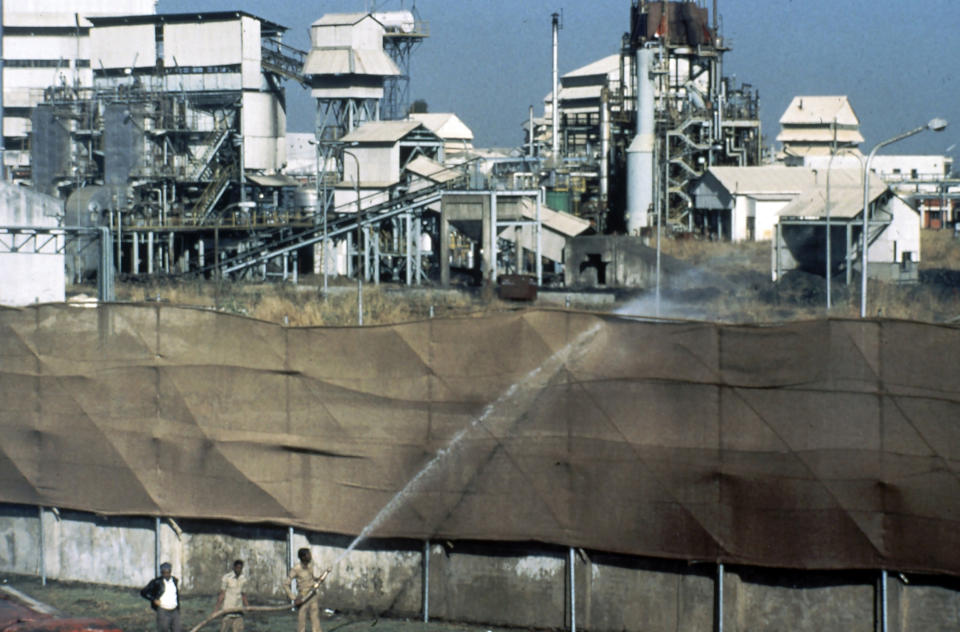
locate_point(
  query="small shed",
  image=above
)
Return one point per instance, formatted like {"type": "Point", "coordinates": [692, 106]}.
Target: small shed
{"type": "Point", "coordinates": [893, 231]}
{"type": "Point", "coordinates": [382, 150]}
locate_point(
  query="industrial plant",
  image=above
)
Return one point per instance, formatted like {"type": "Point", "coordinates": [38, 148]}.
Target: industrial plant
{"type": "Point", "coordinates": [170, 131]}
{"type": "Point", "coordinates": [524, 465]}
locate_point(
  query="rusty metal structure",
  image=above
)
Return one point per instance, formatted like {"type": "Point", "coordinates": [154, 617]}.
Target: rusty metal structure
{"type": "Point", "coordinates": [666, 86]}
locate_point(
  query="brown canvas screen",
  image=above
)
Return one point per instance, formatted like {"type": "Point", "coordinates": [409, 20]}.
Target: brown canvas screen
{"type": "Point", "coordinates": [829, 444]}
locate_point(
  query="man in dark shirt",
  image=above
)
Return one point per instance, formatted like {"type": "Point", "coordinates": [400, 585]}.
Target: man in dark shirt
{"type": "Point", "coordinates": [163, 593]}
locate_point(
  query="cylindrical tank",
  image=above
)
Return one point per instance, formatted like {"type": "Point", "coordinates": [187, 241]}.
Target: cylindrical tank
{"type": "Point", "coordinates": [640, 153]}
{"type": "Point", "coordinates": [306, 200]}
{"type": "Point", "coordinates": [396, 21]}
{"type": "Point", "coordinates": [85, 207]}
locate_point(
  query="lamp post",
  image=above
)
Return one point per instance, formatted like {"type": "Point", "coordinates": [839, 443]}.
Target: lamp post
{"type": "Point", "coordinates": [356, 190]}
{"type": "Point", "coordinates": [936, 124]}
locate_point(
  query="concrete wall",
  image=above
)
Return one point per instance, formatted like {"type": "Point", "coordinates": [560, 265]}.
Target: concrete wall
{"type": "Point", "coordinates": [524, 585]}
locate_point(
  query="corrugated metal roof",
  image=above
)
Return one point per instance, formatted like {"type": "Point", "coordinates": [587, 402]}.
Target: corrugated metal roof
{"type": "Point", "coordinates": [428, 168]}
{"type": "Point", "coordinates": [381, 131]}
{"type": "Point", "coordinates": [846, 197]}
{"type": "Point", "coordinates": [563, 223]}
{"type": "Point", "coordinates": [341, 19]}
{"type": "Point", "coordinates": [446, 125]}
{"type": "Point", "coordinates": [184, 18]}
{"type": "Point", "coordinates": [607, 66]}
{"type": "Point", "coordinates": [817, 135]}
{"type": "Point", "coordinates": [764, 180]}
{"type": "Point", "coordinates": [807, 110]}
{"type": "Point", "coordinates": [349, 61]}
{"type": "Point", "coordinates": [580, 92]}
{"type": "Point", "coordinates": [272, 181]}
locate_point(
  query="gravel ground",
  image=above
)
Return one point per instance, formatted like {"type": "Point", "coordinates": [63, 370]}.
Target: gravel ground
{"type": "Point", "coordinates": [125, 607]}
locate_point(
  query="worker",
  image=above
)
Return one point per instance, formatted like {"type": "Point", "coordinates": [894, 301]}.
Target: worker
{"type": "Point", "coordinates": [163, 593]}
{"type": "Point", "coordinates": [232, 596]}
{"type": "Point", "coordinates": [306, 599]}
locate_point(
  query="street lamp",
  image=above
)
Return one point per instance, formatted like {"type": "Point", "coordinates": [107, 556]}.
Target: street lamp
{"type": "Point", "coordinates": [356, 190]}
{"type": "Point", "coordinates": [937, 125]}
{"type": "Point", "coordinates": [321, 199]}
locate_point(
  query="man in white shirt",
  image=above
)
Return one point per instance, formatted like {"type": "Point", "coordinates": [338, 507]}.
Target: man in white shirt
{"type": "Point", "coordinates": [163, 593]}
{"type": "Point", "coordinates": [232, 597]}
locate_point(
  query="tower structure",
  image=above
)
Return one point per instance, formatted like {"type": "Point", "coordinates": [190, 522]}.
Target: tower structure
{"type": "Point", "coordinates": [688, 115]}
{"type": "Point", "coordinates": [403, 32]}
{"type": "Point", "coordinates": [346, 69]}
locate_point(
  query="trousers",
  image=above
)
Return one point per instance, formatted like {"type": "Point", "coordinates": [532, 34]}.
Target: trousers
{"type": "Point", "coordinates": [168, 620]}
{"type": "Point", "coordinates": [309, 609]}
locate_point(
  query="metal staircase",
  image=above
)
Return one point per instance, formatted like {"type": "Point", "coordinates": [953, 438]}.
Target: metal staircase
{"type": "Point", "coordinates": [212, 194]}
{"type": "Point", "coordinates": [203, 167]}
{"type": "Point", "coordinates": [285, 61]}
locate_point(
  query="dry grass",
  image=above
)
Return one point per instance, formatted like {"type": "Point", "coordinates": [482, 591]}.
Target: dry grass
{"type": "Point", "coordinates": [719, 255]}
{"type": "Point", "coordinates": [736, 286]}
{"type": "Point", "coordinates": [939, 249]}
{"type": "Point", "coordinates": [730, 283]}
{"type": "Point", "coordinates": [305, 305]}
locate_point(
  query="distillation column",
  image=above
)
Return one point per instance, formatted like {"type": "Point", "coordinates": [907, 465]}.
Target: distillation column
{"type": "Point", "coordinates": [640, 153]}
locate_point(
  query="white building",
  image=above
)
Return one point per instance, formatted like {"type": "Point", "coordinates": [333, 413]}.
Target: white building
{"type": "Point", "coordinates": [920, 179]}
{"type": "Point", "coordinates": [457, 137]}
{"type": "Point", "coordinates": [741, 203]}
{"type": "Point", "coordinates": [380, 151]}
{"type": "Point", "coordinates": [814, 125]}
{"type": "Point", "coordinates": [213, 53]}
{"type": "Point", "coordinates": [47, 43]}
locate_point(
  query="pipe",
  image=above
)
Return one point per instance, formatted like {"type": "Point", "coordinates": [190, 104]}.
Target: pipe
{"type": "Point", "coordinates": [408, 247]}
{"type": "Point", "coordinates": [539, 240]}
{"type": "Point", "coordinates": [573, 595]}
{"type": "Point", "coordinates": [290, 561]}
{"type": "Point", "coordinates": [43, 561]}
{"type": "Point", "coordinates": [530, 149]}
{"type": "Point", "coordinates": [156, 546]}
{"type": "Point", "coordinates": [417, 254]}
{"type": "Point", "coordinates": [555, 137]}
{"type": "Point", "coordinates": [105, 293]}
{"type": "Point", "coordinates": [604, 146]}
{"type": "Point", "coordinates": [719, 597]}
{"type": "Point", "coordinates": [150, 252]}
{"type": "Point", "coordinates": [883, 600]}
{"type": "Point", "coordinates": [426, 579]}
{"type": "Point", "coordinates": [494, 212]}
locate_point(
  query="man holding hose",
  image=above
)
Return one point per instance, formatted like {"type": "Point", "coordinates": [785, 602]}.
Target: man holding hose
{"type": "Point", "coordinates": [306, 598]}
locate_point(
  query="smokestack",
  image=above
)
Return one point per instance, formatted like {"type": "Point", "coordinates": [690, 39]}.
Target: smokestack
{"type": "Point", "coordinates": [604, 145]}
{"type": "Point", "coordinates": [640, 153]}
{"type": "Point", "coordinates": [530, 150]}
{"type": "Point", "coordinates": [555, 144]}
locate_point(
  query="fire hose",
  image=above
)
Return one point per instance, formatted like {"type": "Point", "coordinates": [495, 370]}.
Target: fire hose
{"type": "Point", "coordinates": [225, 611]}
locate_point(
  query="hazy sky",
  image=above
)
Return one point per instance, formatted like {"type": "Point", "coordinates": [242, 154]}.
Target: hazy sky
{"type": "Point", "coordinates": [489, 60]}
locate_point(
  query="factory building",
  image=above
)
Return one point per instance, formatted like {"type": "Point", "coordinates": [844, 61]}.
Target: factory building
{"type": "Point", "coordinates": [813, 126]}
{"type": "Point", "coordinates": [635, 130]}
{"type": "Point", "coordinates": [823, 132]}
{"type": "Point", "coordinates": [182, 130]}
{"type": "Point", "coordinates": [44, 44]}
{"type": "Point", "coordinates": [741, 203]}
